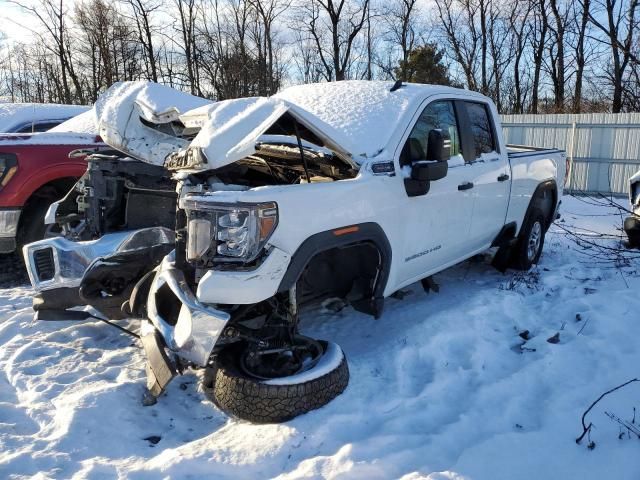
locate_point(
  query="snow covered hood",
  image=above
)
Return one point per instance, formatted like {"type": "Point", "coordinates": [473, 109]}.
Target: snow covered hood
{"type": "Point", "coordinates": [129, 115]}
{"type": "Point", "coordinates": [125, 112]}
{"type": "Point", "coordinates": [232, 129]}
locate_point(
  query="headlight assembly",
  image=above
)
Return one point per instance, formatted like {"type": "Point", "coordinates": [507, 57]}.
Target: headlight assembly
{"type": "Point", "coordinates": [223, 232]}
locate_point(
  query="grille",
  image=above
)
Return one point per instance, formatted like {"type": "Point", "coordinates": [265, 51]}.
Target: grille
{"type": "Point", "coordinates": [45, 267]}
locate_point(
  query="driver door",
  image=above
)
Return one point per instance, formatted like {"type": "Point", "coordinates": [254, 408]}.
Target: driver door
{"type": "Point", "coordinates": [438, 224]}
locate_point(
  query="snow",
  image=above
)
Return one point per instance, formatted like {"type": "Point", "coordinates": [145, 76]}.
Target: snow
{"type": "Point", "coordinates": [48, 138]}
{"type": "Point", "coordinates": [440, 386]}
{"type": "Point", "coordinates": [353, 118]}
{"type": "Point", "coordinates": [330, 361]}
{"type": "Point", "coordinates": [366, 113]}
{"type": "Point", "coordinates": [120, 109]}
{"type": "Point", "coordinates": [14, 115]}
{"type": "Point", "coordinates": [83, 123]}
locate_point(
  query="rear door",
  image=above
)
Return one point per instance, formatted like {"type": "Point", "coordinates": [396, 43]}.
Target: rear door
{"type": "Point", "coordinates": [490, 171]}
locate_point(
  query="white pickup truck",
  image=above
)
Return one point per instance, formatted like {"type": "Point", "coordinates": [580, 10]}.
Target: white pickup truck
{"type": "Point", "coordinates": [348, 190]}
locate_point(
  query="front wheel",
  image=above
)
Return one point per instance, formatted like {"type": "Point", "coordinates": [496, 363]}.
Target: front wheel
{"type": "Point", "coordinates": [530, 242]}
{"type": "Point", "coordinates": [250, 390]}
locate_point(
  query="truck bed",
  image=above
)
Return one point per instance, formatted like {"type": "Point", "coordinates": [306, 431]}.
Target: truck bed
{"type": "Point", "coordinates": [518, 151]}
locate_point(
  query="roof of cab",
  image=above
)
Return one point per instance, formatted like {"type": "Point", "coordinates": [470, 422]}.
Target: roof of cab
{"type": "Point", "coordinates": [14, 115]}
{"type": "Point", "coordinates": [366, 113]}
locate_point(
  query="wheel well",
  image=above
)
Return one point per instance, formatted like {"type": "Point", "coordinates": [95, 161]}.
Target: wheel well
{"type": "Point", "coordinates": [349, 272]}
{"type": "Point", "coordinates": [358, 256]}
{"type": "Point", "coordinates": [50, 192]}
{"type": "Point", "coordinates": [545, 198]}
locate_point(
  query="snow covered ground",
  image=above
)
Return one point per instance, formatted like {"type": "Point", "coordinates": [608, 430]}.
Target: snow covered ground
{"type": "Point", "coordinates": [441, 386]}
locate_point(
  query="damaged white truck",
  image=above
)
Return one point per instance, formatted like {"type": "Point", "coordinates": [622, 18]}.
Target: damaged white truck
{"type": "Point", "coordinates": [349, 190]}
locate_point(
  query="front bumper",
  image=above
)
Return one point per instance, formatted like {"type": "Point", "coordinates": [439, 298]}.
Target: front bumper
{"type": "Point", "coordinates": [189, 328]}
{"type": "Point", "coordinates": [57, 262]}
{"type": "Point", "coordinates": [99, 273]}
{"type": "Point", "coordinates": [9, 219]}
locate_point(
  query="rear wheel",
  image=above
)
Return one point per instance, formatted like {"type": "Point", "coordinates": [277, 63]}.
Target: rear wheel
{"type": "Point", "coordinates": [276, 385]}
{"type": "Point", "coordinates": [530, 242]}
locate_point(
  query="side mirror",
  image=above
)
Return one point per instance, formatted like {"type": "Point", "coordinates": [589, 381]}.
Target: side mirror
{"type": "Point", "coordinates": [436, 149]}
{"type": "Point", "coordinates": [428, 171]}
{"type": "Point", "coordinates": [434, 167]}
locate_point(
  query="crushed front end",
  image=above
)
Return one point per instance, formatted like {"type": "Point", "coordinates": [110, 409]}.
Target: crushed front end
{"type": "Point", "coordinates": [116, 224]}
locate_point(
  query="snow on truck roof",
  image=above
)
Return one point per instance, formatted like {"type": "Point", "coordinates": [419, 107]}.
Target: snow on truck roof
{"type": "Point", "coordinates": [366, 113]}
{"type": "Point", "coordinates": [354, 118]}
{"type": "Point", "coordinates": [14, 115]}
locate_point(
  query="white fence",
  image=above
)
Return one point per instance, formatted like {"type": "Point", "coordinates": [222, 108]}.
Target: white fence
{"type": "Point", "coordinates": [603, 149]}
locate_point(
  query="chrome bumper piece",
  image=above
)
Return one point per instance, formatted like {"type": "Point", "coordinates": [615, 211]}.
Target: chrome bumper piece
{"type": "Point", "coordinates": [9, 222]}
{"type": "Point", "coordinates": [195, 331]}
{"type": "Point", "coordinates": [58, 262]}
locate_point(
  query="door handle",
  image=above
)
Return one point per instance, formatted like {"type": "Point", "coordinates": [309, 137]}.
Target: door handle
{"type": "Point", "coordinates": [465, 186]}
{"type": "Point", "coordinates": [503, 178]}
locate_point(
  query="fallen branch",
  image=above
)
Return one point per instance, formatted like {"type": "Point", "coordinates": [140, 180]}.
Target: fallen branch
{"type": "Point", "coordinates": [631, 428]}
{"type": "Point", "coordinates": [587, 428]}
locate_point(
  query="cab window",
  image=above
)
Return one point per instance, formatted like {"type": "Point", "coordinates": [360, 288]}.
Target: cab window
{"type": "Point", "coordinates": [438, 115]}
{"type": "Point", "coordinates": [39, 127]}
{"type": "Point", "coordinates": [481, 128]}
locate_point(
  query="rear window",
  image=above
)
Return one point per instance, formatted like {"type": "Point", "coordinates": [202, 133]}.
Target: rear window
{"type": "Point", "coordinates": [38, 127]}
{"type": "Point", "coordinates": [481, 128]}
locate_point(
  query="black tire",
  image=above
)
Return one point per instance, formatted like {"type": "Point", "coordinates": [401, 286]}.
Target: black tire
{"type": "Point", "coordinates": [258, 401]}
{"type": "Point", "coordinates": [32, 227]}
{"type": "Point", "coordinates": [528, 248]}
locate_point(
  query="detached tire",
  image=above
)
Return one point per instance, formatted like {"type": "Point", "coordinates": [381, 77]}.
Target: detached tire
{"type": "Point", "coordinates": [528, 248]}
{"type": "Point", "coordinates": [276, 400]}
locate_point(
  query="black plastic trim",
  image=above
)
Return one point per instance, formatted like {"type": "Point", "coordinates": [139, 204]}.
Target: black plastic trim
{"type": "Point", "coordinates": [8, 245]}
{"type": "Point", "coordinates": [546, 185]}
{"type": "Point", "coordinates": [506, 235]}
{"type": "Point", "coordinates": [323, 241]}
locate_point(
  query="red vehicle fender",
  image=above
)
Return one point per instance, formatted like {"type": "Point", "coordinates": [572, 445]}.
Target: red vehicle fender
{"type": "Point", "coordinates": [39, 165]}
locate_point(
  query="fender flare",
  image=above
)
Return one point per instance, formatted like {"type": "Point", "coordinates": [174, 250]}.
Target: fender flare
{"type": "Point", "coordinates": [350, 235]}
{"type": "Point", "coordinates": [551, 186]}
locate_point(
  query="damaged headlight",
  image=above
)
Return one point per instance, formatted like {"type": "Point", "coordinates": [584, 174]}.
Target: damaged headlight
{"type": "Point", "coordinates": [228, 232]}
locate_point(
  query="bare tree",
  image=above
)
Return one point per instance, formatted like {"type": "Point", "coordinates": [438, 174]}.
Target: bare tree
{"type": "Point", "coordinates": [620, 30]}
{"type": "Point", "coordinates": [538, 43]}
{"type": "Point", "coordinates": [52, 15]}
{"type": "Point", "coordinates": [341, 21]}
{"type": "Point", "coordinates": [519, 23]}
{"type": "Point", "coordinates": [187, 12]}
{"type": "Point", "coordinates": [142, 12]}
{"type": "Point", "coordinates": [401, 22]}
{"type": "Point", "coordinates": [581, 15]}
{"type": "Point", "coordinates": [557, 60]}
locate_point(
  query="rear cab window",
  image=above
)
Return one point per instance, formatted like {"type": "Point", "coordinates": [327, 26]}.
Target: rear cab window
{"type": "Point", "coordinates": [482, 131]}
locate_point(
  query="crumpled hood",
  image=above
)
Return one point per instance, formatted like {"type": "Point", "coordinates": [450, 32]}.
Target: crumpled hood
{"type": "Point", "coordinates": [120, 112]}
{"type": "Point", "coordinates": [231, 129]}
{"type": "Point", "coordinates": [228, 130]}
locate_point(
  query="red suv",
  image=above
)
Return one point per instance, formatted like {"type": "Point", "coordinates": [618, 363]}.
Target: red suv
{"type": "Point", "coordinates": [35, 170]}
